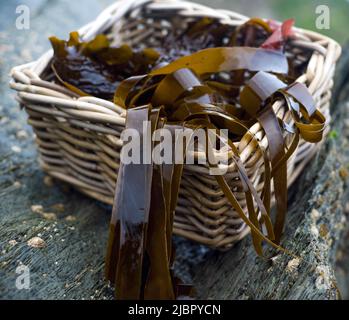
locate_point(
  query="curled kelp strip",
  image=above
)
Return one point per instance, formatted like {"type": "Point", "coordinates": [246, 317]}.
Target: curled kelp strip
{"type": "Point", "coordinates": [184, 93]}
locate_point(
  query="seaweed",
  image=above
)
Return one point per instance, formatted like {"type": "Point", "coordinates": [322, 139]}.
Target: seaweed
{"type": "Point", "coordinates": [95, 67]}
{"type": "Point", "coordinates": [212, 77]}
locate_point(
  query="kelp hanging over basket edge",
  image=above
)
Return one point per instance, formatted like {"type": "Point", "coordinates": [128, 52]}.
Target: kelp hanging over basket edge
{"type": "Point", "coordinates": [184, 105]}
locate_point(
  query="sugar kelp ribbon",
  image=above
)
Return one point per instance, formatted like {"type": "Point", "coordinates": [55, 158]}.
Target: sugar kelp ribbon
{"type": "Point", "coordinates": [215, 60]}
{"type": "Point", "coordinates": [257, 98]}
{"type": "Point", "coordinates": [140, 253]}
{"type": "Point", "coordinates": [186, 100]}
{"type": "Point", "coordinates": [129, 220]}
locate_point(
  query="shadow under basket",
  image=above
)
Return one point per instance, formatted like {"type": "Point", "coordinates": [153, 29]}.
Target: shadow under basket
{"type": "Point", "coordinates": [79, 137]}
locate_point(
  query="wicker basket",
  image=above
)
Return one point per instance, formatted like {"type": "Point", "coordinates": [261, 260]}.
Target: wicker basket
{"type": "Point", "coordinates": [79, 138]}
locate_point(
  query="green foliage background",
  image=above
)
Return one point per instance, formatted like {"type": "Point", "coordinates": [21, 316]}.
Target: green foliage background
{"type": "Point", "coordinates": [302, 10]}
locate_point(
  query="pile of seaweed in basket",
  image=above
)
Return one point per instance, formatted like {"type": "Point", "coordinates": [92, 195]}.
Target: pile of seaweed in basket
{"type": "Point", "coordinates": [211, 76]}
